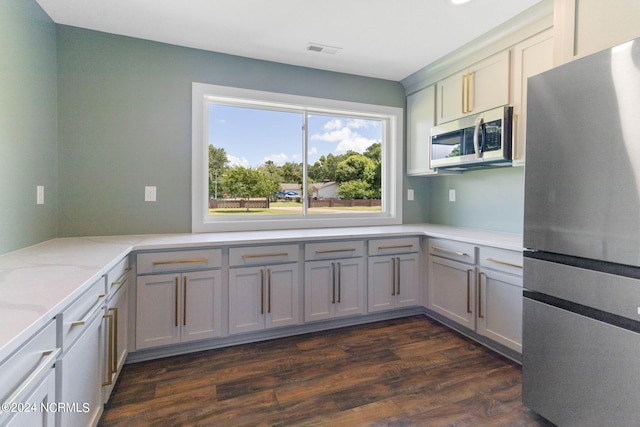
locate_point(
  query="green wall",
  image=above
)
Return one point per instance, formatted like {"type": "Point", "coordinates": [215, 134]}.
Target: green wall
{"type": "Point", "coordinates": [125, 122]}
{"type": "Point", "coordinates": [491, 199]}
{"type": "Point", "coordinates": [28, 121]}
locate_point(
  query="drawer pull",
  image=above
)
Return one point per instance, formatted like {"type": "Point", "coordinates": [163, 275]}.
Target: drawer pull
{"type": "Point", "coordinates": [328, 251]}
{"type": "Point", "coordinates": [110, 372]}
{"type": "Point", "coordinates": [508, 264]}
{"type": "Point", "coordinates": [181, 261]}
{"type": "Point", "coordinates": [50, 358]}
{"type": "Point", "coordinates": [119, 282]}
{"type": "Point", "coordinates": [449, 251]}
{"type": "Point", "coordinates": [88, 316]}
{"type": "Point", "coordinates": [380, 248]}
{"type": "Point", "coordinates": [264, 255]}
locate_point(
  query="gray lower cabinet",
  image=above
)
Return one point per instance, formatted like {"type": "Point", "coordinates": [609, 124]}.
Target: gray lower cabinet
{"type": "Point", "coordinates": [334, 280]}
{"type": "Point", "coordinates": [28, 381]}
{"type": "Point", "coordinates": [479, 288]}
{"type": "Point", "coordinates": [393, 273]}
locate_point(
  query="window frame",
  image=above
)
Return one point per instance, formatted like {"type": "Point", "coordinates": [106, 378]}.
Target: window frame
{"type": "Point", "coordinates": [392, 155]}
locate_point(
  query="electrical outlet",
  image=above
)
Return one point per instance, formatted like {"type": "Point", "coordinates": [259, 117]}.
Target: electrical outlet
{"type": "Point", "coordinates": [452, 195]}
{"type": "Point", "coordinates": [150, 194]}
{"type": "Point", "coordinates": [40, 195]}
{"type": "Point", "coordinates": [410, 194]}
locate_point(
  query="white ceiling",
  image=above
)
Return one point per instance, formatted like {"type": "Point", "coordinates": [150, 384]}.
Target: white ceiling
{"type": "Point", "coordinates": [388, 39]}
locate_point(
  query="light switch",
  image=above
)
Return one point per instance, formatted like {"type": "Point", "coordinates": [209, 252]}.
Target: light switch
{"type": "Point", "coordinates": [452, 195]}
{"type": "Point", "coordinates": [410, 194]}
{"type": "Point", "coordinates": [40, 194]}
{"type": "Point", "coordinates": [150, 194]}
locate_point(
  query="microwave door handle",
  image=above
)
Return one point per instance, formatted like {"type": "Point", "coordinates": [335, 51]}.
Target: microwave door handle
{"type": "Point", "coordinates": [476, 137]}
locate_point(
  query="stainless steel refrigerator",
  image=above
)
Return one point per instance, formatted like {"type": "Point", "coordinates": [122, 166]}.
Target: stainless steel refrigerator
{"type": "Point", "coordinates": [581, 321]}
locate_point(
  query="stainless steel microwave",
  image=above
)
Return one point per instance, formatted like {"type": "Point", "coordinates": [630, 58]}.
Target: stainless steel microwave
{"type": "Point", "coordinates": [478, 141]}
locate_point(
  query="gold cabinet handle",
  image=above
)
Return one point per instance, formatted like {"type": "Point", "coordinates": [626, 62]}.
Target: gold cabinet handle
{"type": "Point", "coordinates": [514, 132]}
{"type": "Point", "coordinates": [181, 261]}
{"type": "Point", "coordinates": [449, 251]}
{"type": "Point", "coordinates": [393, 277]}
{"type": "Point", "coordinates": [261, 291]}
{"type": "Point", "coordinates": [469, 271]}
{"type": "Point", "coordinates": [268, 290]}
{"type": "Point", "coordinates": [264, 255]}
{"type": "Point", "coordinates": [398, 273]}
{"type": "Point", "coordinates": [339, 284]}
{"type": "Point", "coordinates": [50, 357]}
{"type": "Point", "coordinates": [508, 264]}
{"type": "Point", "coordinates": [115, 338]}
{"type": "Point", "coordinates": [184, 301]}
{"type": "Point", "coordinates": [468, 92]}
{"type": "Point", "coordinates": [109, 381]}
{"type": "Point", "coordinates": [90, 313]}
{"type": "Point", "coordinates": [329, 251]}
{"type": "Point", "coordinates": [119, 282]}
{"type": "Point", "coordinates": [333, 282]}
{"type": "Point", "coordinates": [176, 303]}
{"type": "Point", "coordinates": [479, 286]}
{"type": "Point", "coordinates": [394, 247]}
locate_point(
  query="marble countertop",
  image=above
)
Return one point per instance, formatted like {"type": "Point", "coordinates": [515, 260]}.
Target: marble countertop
{"type": "Point", "coordinates": [39, 281]}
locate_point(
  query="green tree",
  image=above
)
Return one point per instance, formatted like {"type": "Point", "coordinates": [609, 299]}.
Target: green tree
{"type": "Point", "coordinates": [355, 190]}
{"type": "Point", "coordinates": [218, 163]}
{"type": "Point", "coordinates": [355, 168]}
{"type": "Point", "coordinates": [292, 172]}
{"type": "Point", "coordinates": [245, 183]}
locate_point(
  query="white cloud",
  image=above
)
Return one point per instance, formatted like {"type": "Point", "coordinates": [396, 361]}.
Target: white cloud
{"type": "Point", "coordinates": [357, 143]}
{"type": "Point", "coordinates": [238, 161]}
{"type": "Point", "coordinates": [278, 159]}
{"type": "Point", "coordinates": [333, 124]}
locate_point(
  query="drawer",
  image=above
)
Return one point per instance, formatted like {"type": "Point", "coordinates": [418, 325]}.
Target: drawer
{"type": "Point", "coordinates": [451, 249]}
{"type": "Point", "coordinates": [501, 259]}
{"type": "Point", "coordinates": [21, 373]}
{"type": "Point", "coordinates": [165, 262]}
{"type": "Point", "coordinates": [117, 275]}
{"type": "Point", "coordinates": [73, 320]}
{"type": "Point", "coordinates": [333, 250]}
{"type": "Point", "coordinates": [262, 255]}
{"type": "Point", "coordinates": [399, 245]}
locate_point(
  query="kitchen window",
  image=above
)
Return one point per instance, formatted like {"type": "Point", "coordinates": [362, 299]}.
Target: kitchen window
{"type": "Point", "coordinates": [263, 160]}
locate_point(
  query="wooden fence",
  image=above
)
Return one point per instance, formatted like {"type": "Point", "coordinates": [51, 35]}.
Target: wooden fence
{"type": "Point", "coordinates": [262, 203]}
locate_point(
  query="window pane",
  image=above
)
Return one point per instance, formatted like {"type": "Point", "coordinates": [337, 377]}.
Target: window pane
{"type": "Point", "coordinates": [344, 165]}
{"type": "Point", "coordinates": [255, 161]}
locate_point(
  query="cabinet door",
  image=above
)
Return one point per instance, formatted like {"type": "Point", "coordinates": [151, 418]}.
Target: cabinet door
{"type": "Point", "coordinates": [116, 342]}
{"type": "Point", "coordinates": [421, 114]}
{"type": "Point", "coordinates": [381, 283]}
{"type": "Point", "coordinates": [81, 370]}
{"type": "Point", "coordinates": [500, 308]}
{"type": "Point", "coordinates": [319, 296]}
{"type": "Point", "coordinates": [407, 280]}
{"type": "Point", "coordinates": [450, 97]}
{"type": "Point", "coordinates": [532, 56]}
{"type": "Point", "coordinates": [282, 295]}
{"type": "Point", "coordinates": [201, 304]}
{"type": "Point", "coordinates": [452, 290]}
{"type": "Point", "coordinates": [349, 287]}
{"type": "Point", "coordinates": [158, 304]}
{"type": "Point", "coordinates": [246, 299]}
{"type": "Point", "coordinates": [489, 83]}
{"type": "Point", "coordinates": [43, 395]}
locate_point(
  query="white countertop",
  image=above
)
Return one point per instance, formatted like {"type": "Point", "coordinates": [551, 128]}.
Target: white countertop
{"type": "Point", "coordinates": [39, 281]}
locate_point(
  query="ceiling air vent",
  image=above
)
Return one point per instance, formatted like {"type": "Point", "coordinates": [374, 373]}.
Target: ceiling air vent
{"type": "Point", "coordinates": [320, 48]}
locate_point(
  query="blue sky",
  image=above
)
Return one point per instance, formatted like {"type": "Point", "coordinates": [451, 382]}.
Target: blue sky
{"type": "Point", "coordinates": [252, 136]}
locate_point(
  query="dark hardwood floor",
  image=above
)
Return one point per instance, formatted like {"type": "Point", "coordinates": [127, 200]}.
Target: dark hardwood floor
{"type": "Point", "coordinates": [403, 372]}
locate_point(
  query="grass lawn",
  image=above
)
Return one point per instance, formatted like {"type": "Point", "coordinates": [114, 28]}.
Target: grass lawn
{"type": "Point", "coordinates": [288, 208]}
